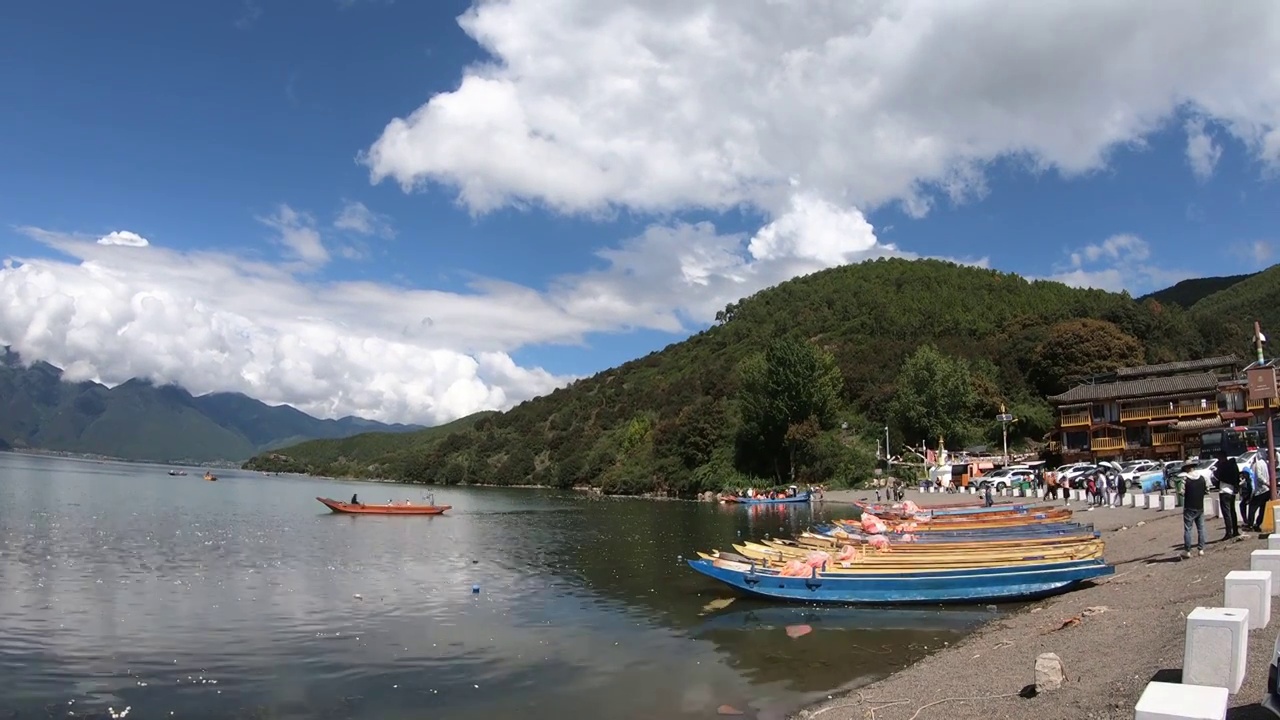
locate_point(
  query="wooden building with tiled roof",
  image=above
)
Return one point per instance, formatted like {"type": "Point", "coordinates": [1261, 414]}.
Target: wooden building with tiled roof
{"type": "Point", "coordinates": [1151, 411]}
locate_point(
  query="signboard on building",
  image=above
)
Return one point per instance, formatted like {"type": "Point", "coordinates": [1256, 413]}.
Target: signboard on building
{"type": "Point", "coordinates": [1262, 383]}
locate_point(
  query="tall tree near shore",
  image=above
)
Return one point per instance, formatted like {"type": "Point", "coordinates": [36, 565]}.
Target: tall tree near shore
{"type": "Point", "coordinates": [935, 397]}
{"type": "Point", "coordinates": [788, 394]}
{"type": "Point", "coordinates": [1076, 349]}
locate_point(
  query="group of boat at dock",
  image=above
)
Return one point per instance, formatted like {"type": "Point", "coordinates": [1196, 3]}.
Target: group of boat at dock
{"type": "Point", "coordinates": [902, 554]}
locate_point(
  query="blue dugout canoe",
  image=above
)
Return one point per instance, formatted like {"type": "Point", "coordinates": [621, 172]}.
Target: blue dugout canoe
{"type": "Point", "coordinates": [954, 586]}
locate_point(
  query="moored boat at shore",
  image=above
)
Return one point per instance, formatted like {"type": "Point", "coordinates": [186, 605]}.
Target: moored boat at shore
{"type": "Point", "coordinates": [406, 508]}
{"type": "Point", "coordinates": [932, 586]}
{"type": "Point", "coordinates": [797, 498]}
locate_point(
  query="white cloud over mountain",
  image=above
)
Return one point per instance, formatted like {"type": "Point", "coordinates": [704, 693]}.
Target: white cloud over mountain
{"type": "Point", "coordinates": [214, 321]}
{"type": "Point", "coordinates": [809, 112]}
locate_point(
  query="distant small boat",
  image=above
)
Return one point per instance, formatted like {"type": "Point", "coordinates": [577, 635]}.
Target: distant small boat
{"type": "Point", "coordinates": [176, 473]}
{"type": "Point", "coordinates": [210, 476]}
{"type": "Point", "coordinates": [339, 506]}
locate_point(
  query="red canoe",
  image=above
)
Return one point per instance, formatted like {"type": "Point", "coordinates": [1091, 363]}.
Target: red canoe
{"type": "Point", "coordinates": [387, 509]}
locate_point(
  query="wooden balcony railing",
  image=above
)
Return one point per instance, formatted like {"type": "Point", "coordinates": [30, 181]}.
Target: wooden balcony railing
{"type": "Point", "coordinates": [1074, 419]}
{"type": "Point", "coordinates": [1103, 444]}
{"type": "Point", "coordinates": [1260, 404]}
{"type": "Point", "coordinates": [1152, 412]}
{"type": "Point", "coordinates": [1164, 438]}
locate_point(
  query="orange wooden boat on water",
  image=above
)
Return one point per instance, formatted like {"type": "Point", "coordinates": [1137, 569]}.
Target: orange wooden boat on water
{"type": "Point", "coordinates": [339, 506]}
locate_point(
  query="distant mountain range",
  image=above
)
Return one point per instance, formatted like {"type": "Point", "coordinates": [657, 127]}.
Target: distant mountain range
{"type": "Point", "coordinates": [138, 420]}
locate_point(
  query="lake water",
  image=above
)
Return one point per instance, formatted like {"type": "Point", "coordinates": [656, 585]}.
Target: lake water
{"type": "Point", "coordinates": [121, 586]}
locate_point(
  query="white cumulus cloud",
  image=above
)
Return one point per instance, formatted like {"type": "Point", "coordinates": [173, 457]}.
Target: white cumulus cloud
{"type": "Point", "coordinates": [1203, 152]}
{"type": "Point", "coordinates": [129, 239]}
{"type": "Point", "coordinates": [1120, 262]}
{"type": "Point", "coordinates": [215, 321]}
{"type": "Point", "coordinates": [657, 106]}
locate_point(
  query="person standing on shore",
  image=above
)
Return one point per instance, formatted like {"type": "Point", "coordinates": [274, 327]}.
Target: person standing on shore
{"type": "Point", "coordinates": [1194, 489]}
{"type": "Point", "coordinates": [1228, 474]}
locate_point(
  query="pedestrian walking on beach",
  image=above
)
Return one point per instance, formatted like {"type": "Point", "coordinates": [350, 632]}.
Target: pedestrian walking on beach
{"type": "Point", "coordinates": [1246, 494]}
{"type": "Point", "coordinates": [1228, 474]}
{"type": "Point", "coordinates": [988, 496]}
{"type": "Point", "coordinates": [1193, 492]}
{"type": "Point", "coordinates": [1261, 490]}
{"type": "Point", "coordinates": [1120, 491]}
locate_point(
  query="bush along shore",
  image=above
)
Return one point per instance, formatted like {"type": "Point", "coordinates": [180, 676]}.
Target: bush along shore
{"type": "Point", "coordinates": [1113, 637]}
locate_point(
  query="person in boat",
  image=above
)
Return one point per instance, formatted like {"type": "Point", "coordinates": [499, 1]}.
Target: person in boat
{"type": "Point", "coordinates": [355, 500]}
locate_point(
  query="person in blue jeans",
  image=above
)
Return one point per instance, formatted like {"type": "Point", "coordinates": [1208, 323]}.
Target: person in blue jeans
{"type": "Point", "coordinates": [1193, 491]}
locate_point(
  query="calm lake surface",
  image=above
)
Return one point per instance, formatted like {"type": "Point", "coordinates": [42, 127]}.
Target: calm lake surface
{"type": "Point", "coordinates": [121, 586]}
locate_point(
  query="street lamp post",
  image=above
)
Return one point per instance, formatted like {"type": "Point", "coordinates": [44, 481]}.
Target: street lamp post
{"type": "Point", "coordinates": [1005, 418]}
{"type": "Point", "coordinates": [887, 454]}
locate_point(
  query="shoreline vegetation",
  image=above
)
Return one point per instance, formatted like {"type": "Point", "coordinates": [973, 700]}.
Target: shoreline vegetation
{"type": "Point", "coordinates": [1114, 636]}
{"type": "Point", "coordinates": [803, 383]}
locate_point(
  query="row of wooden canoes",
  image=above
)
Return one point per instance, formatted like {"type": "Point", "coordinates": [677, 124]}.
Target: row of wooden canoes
{"type": "Point", "coordinates": [947, 556]}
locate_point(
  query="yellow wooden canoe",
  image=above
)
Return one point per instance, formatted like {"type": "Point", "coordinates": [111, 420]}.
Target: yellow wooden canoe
{"type": "Point", "coordinates": [826, 542]}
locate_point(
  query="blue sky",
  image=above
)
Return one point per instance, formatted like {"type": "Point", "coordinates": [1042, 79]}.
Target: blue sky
{"type": "Point", "coordinates": [466, 271]}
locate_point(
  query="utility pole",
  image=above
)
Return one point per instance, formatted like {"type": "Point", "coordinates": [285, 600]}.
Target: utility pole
{"type": "Point", "coordinates": [1269, 395]}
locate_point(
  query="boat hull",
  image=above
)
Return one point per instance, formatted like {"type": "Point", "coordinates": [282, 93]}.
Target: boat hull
{"type": "Point", "coordinates": [346, 508]}
{"type": "Point", "coordinates": [959, 587]}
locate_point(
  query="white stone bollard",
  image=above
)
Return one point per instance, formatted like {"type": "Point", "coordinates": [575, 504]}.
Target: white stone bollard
{"type": "Point", "coordinates": [1168, 502]}
{"type": "Point", "coordinates": [1039, 492]}
{"type": "Point", "coordinates": [1249, 590]}
{"type": "Point", "coordinates": [1077, 494]}
{"type": "Point", "coordinates": [1174, 701]}
{"type": "Point", "coordinates": [1130, 500]}
{"type": "Point", "coordinates": [1216, 647]}
{"type": "Point", "coordinates": [1146, 501]}
{"type": "Point", "coordinates": [1268, 560]}
{"type": "Point", "coordinates": [1210, 509]}
{"type": "Point", "coordinates": [1273, 542]}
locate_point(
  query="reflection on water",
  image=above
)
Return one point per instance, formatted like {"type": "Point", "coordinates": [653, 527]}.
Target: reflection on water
{"type": "Point", "coordinates": [123, 586]}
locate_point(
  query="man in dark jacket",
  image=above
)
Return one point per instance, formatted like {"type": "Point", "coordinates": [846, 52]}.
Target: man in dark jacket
{"type": "Point", "coordinates": [1193, 491]}
{"type": "Point", "coordinates": [1228, 474]}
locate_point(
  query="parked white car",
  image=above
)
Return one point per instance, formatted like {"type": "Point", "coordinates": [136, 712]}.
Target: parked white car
{"type": "Point", "coordinates": [1006, 477]}
{"type": "Point", "coordinates": [1133, 472]}
{"type": "Point", "coordinates": [1204, 469]}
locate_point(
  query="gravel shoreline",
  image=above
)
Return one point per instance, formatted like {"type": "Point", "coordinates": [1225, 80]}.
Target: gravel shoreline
{"type": "Point", "coordinates": [1134, 635]}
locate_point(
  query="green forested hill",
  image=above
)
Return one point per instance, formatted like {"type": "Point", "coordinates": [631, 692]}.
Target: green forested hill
{"type": "Point", "coordinates": [359, 455]}
{"type": "Point", "coordinates": [1189, 292]}
{"type": "Point", "coordinates": [680, 420]}
{"type": "Point", "coordinates": [1229, 315]}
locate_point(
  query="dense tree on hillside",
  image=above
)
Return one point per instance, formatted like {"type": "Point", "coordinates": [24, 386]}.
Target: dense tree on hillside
{"type": "Point", "coordinates": [1076, 349]}
{"type": "Point", "coordinates": [788, 395]}
{"type": "Point", "coordinates": [669, 422]}
{"type": "Point", "coordinates": [935, 398]}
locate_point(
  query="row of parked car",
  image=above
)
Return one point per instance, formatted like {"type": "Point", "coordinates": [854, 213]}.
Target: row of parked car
{"type": "Point", "coordinates": [1142, 475]}
{"type": "Point", "coordinates": [1152, 475]}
